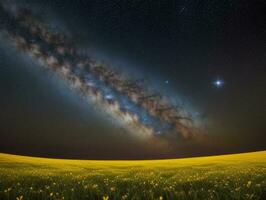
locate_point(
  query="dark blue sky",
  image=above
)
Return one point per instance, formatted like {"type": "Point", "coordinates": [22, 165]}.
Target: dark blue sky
{"type": "Point", "coordinates": [188, 43]}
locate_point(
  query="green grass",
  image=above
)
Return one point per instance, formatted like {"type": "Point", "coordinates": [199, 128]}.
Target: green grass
{"type": "Point", "coordinates": [239, 176]}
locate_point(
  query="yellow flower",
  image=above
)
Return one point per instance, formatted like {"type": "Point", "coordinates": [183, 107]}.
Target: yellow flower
{"type": "Point", "coordinates": [160, 198]}
{"type": "Point", "coordinates": [248, 184]}
{"type": "Point", "coordinates": [7, 190]}
{"type": "Point", "coordinates": [19, 198]}
{"type": "Point", "coordinates": [51, 194]}
{"type": "Point", "coordinates": [105, 197]}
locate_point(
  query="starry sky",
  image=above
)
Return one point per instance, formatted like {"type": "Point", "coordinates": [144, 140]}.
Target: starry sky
{"type": "Point", "coordinates": [180, 47]}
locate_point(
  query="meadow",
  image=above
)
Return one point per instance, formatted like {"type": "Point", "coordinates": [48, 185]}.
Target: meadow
{"type": "Point", "coordinates": [238, 176]}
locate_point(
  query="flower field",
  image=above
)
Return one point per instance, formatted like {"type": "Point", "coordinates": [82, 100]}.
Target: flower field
{"type": "Point", "coordinates": [238, 176]}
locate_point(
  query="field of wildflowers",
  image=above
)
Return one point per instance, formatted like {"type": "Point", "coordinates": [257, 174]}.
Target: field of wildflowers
{"type": "Point", "coordinates": [239, 176]}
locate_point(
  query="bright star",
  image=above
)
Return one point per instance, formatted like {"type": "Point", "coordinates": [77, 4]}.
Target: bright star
{"type": "Point", "coordinates": [218, 83]}
{"type": "Point", "coordinates": [109, 96]}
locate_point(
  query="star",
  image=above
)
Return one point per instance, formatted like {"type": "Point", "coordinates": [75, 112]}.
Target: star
{"type": "Point", "coordinates": [218, 83]}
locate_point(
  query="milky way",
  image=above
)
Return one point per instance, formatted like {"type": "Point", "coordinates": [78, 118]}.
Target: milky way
{"type": "Point", "coordinates": [141, 111]}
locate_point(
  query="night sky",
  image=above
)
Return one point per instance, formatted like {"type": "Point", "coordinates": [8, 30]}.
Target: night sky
{"type": "Point", "coordinates": [181, 48]}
